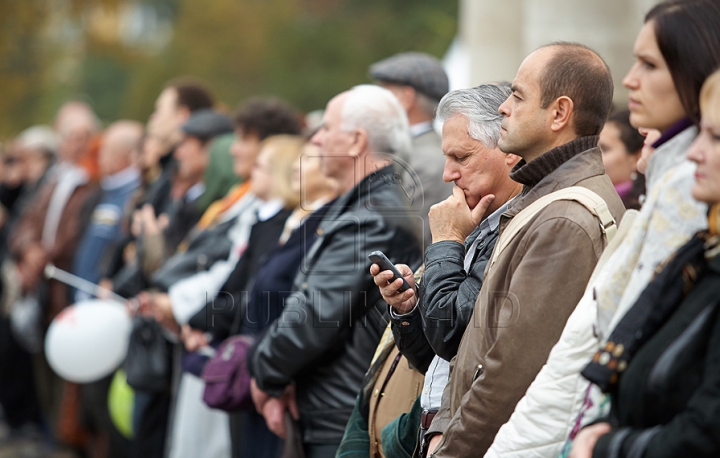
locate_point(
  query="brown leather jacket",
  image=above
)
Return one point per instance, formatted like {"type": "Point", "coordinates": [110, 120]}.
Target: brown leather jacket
{"type": "Point", "coordinates": [28, 233]}
{"type": "Point", "coordinates": [527, 297]}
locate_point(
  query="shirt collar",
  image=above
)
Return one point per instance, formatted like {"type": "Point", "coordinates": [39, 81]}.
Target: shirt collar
{"type": "Point", "coordinates": [492, 222]}
{"type": "Point", "coordinates": [120, 179]}
{"type": "Point", "coordinates": [270, 209]}
{"type": "Point", "coordinates": [420, 128]}
{"type": "Point", "coordinates": [195, 191]}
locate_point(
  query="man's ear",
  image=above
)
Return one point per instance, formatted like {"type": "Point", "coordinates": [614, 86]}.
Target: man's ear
{"type": "Point", "coordinates": [183, 113]}
{"type": "Point", "coordinates": [562, 112]}
{"type": "Point", "coordinates": [359, 143]}
{"type": "Point", "coordinates": [511, 160]}
{"type": "Point", "coordinates": [404, 94]}
{"type": "Point", "coordinates": [408, 97]}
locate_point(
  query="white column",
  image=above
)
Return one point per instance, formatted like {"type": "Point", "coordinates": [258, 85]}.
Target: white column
{"type": "Point", "coordinates": [497, 35]}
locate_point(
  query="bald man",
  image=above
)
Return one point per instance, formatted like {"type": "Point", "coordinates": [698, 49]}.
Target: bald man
{"type": "Point", "coordinates": [560, 99]}
{"type": "Point", "coordinates": [119, 180]}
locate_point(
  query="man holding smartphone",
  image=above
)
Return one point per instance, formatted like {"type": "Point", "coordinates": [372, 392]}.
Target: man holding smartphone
{"type": "Point", "coordinates": [429, 320]}
{"type": "Point", "coordinates": [313, 358]}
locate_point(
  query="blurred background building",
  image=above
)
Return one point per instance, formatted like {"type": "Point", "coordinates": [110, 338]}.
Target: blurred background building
{"type": "Point", "coordinates": [495, 36]}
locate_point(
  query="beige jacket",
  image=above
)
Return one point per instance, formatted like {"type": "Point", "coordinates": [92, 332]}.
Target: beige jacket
{"type": "Point", "coordinates": [527, 297]}
{"type": "Point", "coordinates": [398, 386]}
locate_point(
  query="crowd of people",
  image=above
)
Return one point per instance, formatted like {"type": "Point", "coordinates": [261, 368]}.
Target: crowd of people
{"type": "Point", "coordinates": [556, 290]}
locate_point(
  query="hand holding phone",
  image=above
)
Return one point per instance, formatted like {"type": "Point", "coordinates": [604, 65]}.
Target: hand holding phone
{"type": "Point", "coordinates": [379, 258]}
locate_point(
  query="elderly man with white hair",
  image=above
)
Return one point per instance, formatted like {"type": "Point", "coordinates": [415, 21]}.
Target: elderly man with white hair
{"type": "Point", "coordinates": [318, 351]}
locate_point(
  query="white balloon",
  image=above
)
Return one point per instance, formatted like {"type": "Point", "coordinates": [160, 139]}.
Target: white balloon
{"type": "Point", "coordinates": [88, 341]}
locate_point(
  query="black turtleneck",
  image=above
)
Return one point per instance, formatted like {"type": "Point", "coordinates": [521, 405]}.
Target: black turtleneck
{"type": "Point", "coordinates": [531, 173]}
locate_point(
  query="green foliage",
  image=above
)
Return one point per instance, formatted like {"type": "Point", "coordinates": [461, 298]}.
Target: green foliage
{"type": "Point", "coordinates": [305, 51]}
{"type": "Point", "coordinates": [21, 69]}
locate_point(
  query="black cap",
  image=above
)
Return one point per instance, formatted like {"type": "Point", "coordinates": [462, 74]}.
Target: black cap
{"type": "Point", "coordinates": [421, 71]}
{"type": "Point", "coordinates": [206, 124]}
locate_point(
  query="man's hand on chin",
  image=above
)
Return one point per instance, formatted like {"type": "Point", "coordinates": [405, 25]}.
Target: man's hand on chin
{"type": "Point", "coordinates": [452, 218]}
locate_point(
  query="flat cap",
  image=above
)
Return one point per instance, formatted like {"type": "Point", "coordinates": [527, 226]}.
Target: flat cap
{"type": "Point", "coordinates": [421, 71]}
{"type": "Point", "coordinates": [206, 124]}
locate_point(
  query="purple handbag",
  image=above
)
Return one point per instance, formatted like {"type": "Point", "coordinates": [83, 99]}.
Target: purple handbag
{"type": "Point", "coordinates": [226, 376]}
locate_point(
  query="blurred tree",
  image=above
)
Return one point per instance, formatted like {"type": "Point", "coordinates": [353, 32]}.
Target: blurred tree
{"type": "Point", "coordinates": [21, 63]}
{"type": "Point", "coordinates": [302, 50]}
{"type": "Point", "coordinates": [117, 54]}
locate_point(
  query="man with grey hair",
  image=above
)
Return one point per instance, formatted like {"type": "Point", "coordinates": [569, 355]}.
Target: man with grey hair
{"type": "Point", "coordinates": [419, 82]}
{"type": "Point", "coordinates": [26, 167]}
{"type": "Point", "coordinates": [321, 346]}
{"type": "Point", "coordinates": [429, 322]}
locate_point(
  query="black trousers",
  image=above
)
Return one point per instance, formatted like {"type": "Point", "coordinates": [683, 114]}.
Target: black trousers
{"type": "Point", "coordinates": [96, 419]}
{"type": "Point", "coordinates": [251, 437]}
{"type": "Point", "coordinates": [17, 381]}
{"type": "Point", "coordinates": [320, 450]}
{"type": "Point", "coordinates": [152, 428]}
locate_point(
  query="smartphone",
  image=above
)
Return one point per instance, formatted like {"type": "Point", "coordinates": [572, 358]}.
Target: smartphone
{"type": "Point", "coordinates": [379, 258]}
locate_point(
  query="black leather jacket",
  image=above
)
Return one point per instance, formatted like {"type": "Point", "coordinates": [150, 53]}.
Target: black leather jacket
{"type": "Point", "coordinates": [331, 324]}
{"type": "Point", "coordinates": [447, 296]}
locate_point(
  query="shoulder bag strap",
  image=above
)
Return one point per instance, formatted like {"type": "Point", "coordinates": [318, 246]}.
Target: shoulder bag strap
{"type": "Point", "coordinates": [589, 199]}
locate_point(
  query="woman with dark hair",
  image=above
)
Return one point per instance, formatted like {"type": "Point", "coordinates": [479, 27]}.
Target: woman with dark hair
{"type": "Point", "coordinates": [660, 364]}
{"type": "Point", "coordinates": [560, 400]}
{"type": "Point", "coordinates": [664, 84]}
{"type": "Point", "coordinates": [686, 34]}
{"type": "Point", "coordinates": [621, 145]}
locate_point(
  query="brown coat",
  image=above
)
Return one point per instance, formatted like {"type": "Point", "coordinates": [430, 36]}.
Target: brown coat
{"type": "Point", "coordinates": [397, 387]}
{"type": "Point", "coordinates": [28, 233]}
{"type": "Point", "coordinates": [527, 297]}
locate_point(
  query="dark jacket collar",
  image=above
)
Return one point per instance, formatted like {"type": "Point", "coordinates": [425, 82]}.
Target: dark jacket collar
{"type": "Point", "coordinates": [168, 160]}
{"type": "Point", "coordinates": [559, 168]}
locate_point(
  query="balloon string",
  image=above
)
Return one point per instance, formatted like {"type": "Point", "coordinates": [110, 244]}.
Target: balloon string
{"type": "Point", "coordinates": [80, 283]}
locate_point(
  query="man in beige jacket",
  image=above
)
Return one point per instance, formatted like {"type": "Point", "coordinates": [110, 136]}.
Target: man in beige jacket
{"type": "Point", "coordinates": [561, 97]}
